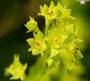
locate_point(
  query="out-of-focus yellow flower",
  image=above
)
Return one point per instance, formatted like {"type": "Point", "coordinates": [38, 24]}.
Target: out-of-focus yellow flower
{"type": "Point", "coordinates": [48, 12]}
{"type": "Point", "coordinates": [16, 69]}
{"type": "Point", "coordinates": [77, 69]}
{"type": "Point", "coordinates": [67, 58]}
{"type": "Point", "coordinates": [70, 78]}
{"type": "Point", "coordinates": [55, 38]}
{"type": "Point", "coordinates": [66, 13]}
{"type": "Point", "coordinates": [71, 47]}
{"type": "Point", "coordinates": [37, 44]}
{"type": "Point", "coordinates": [69, 29]}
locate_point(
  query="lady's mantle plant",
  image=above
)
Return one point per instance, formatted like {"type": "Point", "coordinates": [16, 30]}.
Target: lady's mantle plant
{"type": "Point", "coordinates": [57, 47]}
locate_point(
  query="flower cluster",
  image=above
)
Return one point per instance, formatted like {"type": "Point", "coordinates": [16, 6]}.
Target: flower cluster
{"type": "Point", "coordinates": [59, 41]}
{"type": "Point", "coordinates": [60, 36]}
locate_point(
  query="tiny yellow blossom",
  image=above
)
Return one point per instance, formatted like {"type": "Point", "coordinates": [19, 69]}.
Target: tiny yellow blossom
{"type": "Point", "coordinates": [37, 44]}
{"type": "Point", "coordinates": [48, 12]}
{"type": "Point", "coordinates": [55, 38]}
{"type": "Point", "coordinates": [66, 13]}
{"type": "Point", "coordinates": [67, 58]}
{"type": "Point", "coordinates": [32, 25]}
{"type": "Point", "coordinates": [16, 69]}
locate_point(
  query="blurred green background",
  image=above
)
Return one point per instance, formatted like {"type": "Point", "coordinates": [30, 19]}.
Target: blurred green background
{"type": "Point", "coordinates": [15, 13]}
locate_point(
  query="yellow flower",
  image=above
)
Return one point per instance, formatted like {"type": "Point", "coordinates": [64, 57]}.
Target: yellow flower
{"type": "Point", "coordinates": [48, 12]}
{"type": "Point", "coordinates": [55, 38]}
{"type": "Point", "coordinates": [32, 25]}
{"type": "Point", "coordinates": [67, 58]}
{"type": "Point", "coordinates": [37, 44]}
{"type": "Point", "coordinates": [16, 69]}
{"type": "Point", "coordinates": [66, 13]}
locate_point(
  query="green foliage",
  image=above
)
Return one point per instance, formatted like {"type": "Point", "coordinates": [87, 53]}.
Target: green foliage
{"type": "Point", "coordinates": [57, 47]}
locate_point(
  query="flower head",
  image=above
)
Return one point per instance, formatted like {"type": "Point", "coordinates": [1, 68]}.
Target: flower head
{"type": "Point", "coordinates": [32, 25]}
{"type": "Point", "coordinates": [37, 44]}
{"type": "Point", "coordinates": [16, 69]}
{"type": "Point", "coordinates": [65, 13]}
{"type": "Point", "coordinates": [48, 12]}
{"type": "Point", "coordinates": [55, 38]}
